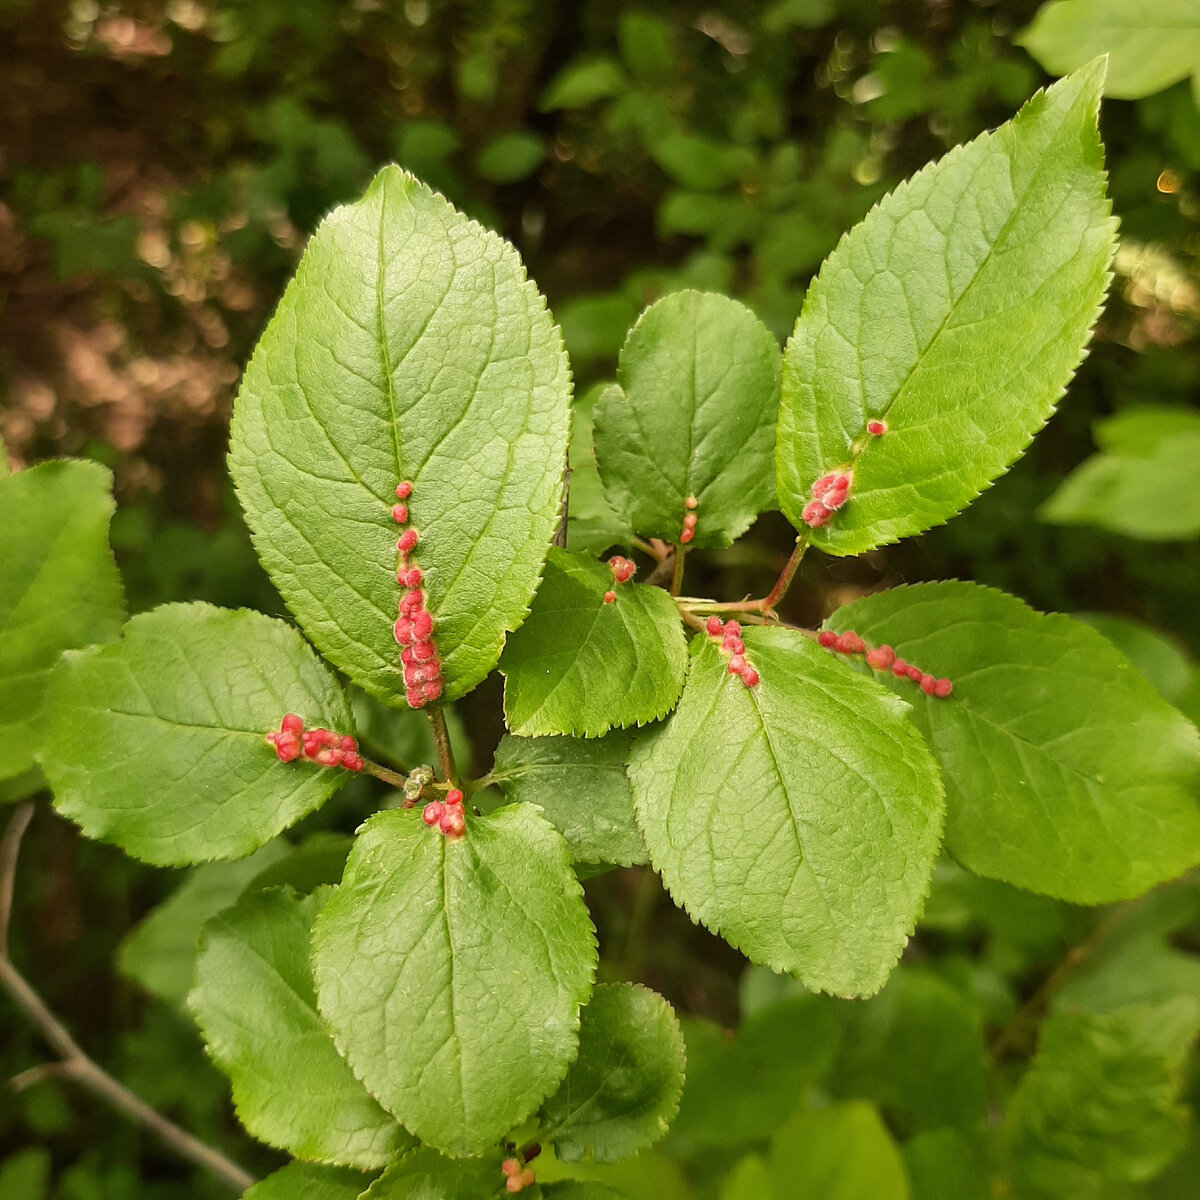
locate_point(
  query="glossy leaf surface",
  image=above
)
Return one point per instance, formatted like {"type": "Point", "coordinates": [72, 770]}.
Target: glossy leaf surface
{"type": "Point", "coordinates": [409, 346]}
{"type": "Point", "coordinates": [955, 313]}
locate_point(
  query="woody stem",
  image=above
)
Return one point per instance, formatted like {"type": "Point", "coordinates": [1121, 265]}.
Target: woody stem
{"type": "Point", "coordinates": [441, 742]}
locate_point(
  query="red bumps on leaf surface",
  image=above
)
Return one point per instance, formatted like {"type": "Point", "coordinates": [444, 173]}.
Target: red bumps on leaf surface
{"type": "Point", "coordinates": [750, 677]}
{"type": "Point", "coordinates": [453, 823]}
{"type": "Point", "coordinates": [734, 646]}
{"type": "Point", "coordinates": [431, 689]}
{"type": "Point", "coordinates": [737, 664]}
{"type": "Point", "coordinates": [691, 502]}
{"type": "Point", "coordinates": [915, 673]}
{"type": "Point", "coordinates": [732, 630]}
{"type": "Point", "coordinates": [410, 576]}
{"type": "Point", "coordinates": [411, 603]}
{"type": "Point", "coordinates": [689, 521]}
{"type": "Point", "coordinates": [292, 723]}
{"type": "Point", "coordinates": [454, 796]}
{"type": "Point", "coordinates": [609, 597]}
{"type": "Point", "coordinates": [687, 535]}
{"type": "Point", "coordinates": [399, 513]}
{"type": "Point", "coordinates": [714, 626]}
{"type": "Point", "coordinates": [423, 651]}
{"type": "Point", "coordinates": [827, 638]}
{"type": "Point", "coordinates": [877, 428]}
{"type": "Point", "coordinates": [815, 514]}
{"type": "Point", "coordinates": [943, 688]}
{"type": "Point", "coordinates": [404, 490]}
{"type": "Point", "coordinates": [408, 541]}
{"type": "Point", "coordinates": [422, 622]}
{"type": "Point", "coordinates": [622, 568]}
{"type": "Point", "coordinates": [432, 813]}
{"type": "Point", "coordinates": [899, 668]}
{"type": "Point", "coordinates": [928, 684]}
{"type": "Point", "coordinates": [881, 659]}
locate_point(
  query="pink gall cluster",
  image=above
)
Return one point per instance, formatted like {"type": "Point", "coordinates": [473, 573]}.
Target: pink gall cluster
{"type": "Point", "coordinates": [321, 746]}
{"type": "Point", "coordinates": [730, 635]}
{"type": "Point", "coordinates": [884, 658]}
{"type": "Point", "coordinates": [689, 520]}
{"type": "Point", "coordinates": [828, 495]}
{"type": "Point", "coordinates": [623, 570]}
{"type": "Point", "coordinates": [877, 428]}
{"type": "Point", "coordinates": [413, 629]}
{"type": "Point", "coordinates": [447, 816]}
{"type": "Point", "coordinates": [517, 1176]}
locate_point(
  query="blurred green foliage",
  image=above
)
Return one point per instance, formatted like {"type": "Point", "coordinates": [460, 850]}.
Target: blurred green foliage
{"type": "Point", "coordinates": [163, 162]}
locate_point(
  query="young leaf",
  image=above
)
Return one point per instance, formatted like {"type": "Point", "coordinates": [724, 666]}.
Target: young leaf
{"type": "Point", "coordinates": [452, 972]}
{"type": "Point", "coordinates": [693, 416]}
{"type": "Point", "coordinates": [1065, 771]}
{"type": "Point", "coordinates": [424, 1174]}
{"type": "Point", "coordinates": [1151, 44]}
{"type": "Point", "coordinates": [1144, 483]}
{"type": "Point", "coordinates": [158, 743]}
{"type": "Point", "coordinates": [410, 346]}
{"type": "Point", "coordinates": [799, 819]}
{"type": "Point", "coordinates": [784, 1048]}
{"type": "Point", "coordinates": [59, 590]}
{"type": "Point", "coordinates": [160, 952]}
{"type": "Point", "coordinates": [309, 1181]}
{"type": "Point", "coordinates": [622, 1091]}
{"type": "Point", "coordinates": [955, 314]}
{"type": "Point", "coordinates": [253, 1000]}
{"type": "Point", "coordinates": [948, 1164]}
{"type": "Point", "coordinates": [580, 665]}
{"type": "Point", "coordinates": [592, 527]}
{"type": "Point", "coordinates": [842, 1152]}
{"type": "Point", "coordinates": [582, 789]}
{"type": "Point", "coordinates": [1100, 1102]}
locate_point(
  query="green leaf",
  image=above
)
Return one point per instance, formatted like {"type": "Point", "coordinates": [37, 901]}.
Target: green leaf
{"type": "Point", "coordinates": [1150, 44]}
{"type": "Point", "coordinates": [582, 789]}
{"type": "Point", "coordinates": [59, 590]}
{"type": "Point", "coordinates": [1065, 771]}
{"type": "Point", "coordinates": [510, 157]}
{"type": "Point", "coordinates": [160, 952]}
{"type": "Point", "coordinates": [410, 346]}
{"type": "Point", "coordinates": [254, 1002]}
{"type": "Point", "coordinates": [452, 972]}
{"type": "Point", "coordinates": [947, 1164]}
{"type": "Point", "coordinates": [1145, 482]}
{"type": "Point", "coordinates": [783, 1048]}
{"type": "Point", "coordinates": [798, 819]}
{"type": "Point", "coordinates": [592, 527]}
{"type": "Point", "coordinates": [582, 83]}
{"type": "Point", "coordinates": [318, 860]}
{"type": "Point", "coordinates": [843, 1152]}
{"type": "Point", "coordinates": [158, 743]}
{"type": "Point", "coordinates": [581, 1189]}
{"type": "Point", "coordinates": [693, 415]}
{"type": "Point", "coordinates": [701, 164]}
{"type": "Point", "coordinates": [580, 666]}
{"type": "Point", "coordinates": [1101, 1100]}
{"type": "Point", "coordinates": [424, 1174]}
{"type": "Point", "coordinates": [623, 1089]}
{"type": "Point", "coordinates": [1161, 662]}
{"type": "Point", "coordinates": [309, 1181]}
{"type": "Point", "coordinates": [956, 312]}
{"type": "Point", "coordinates": [917, 1051]}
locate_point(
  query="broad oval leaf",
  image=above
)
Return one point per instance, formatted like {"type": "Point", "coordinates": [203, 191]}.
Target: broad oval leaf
{"type": "Point", "coordinates": [309, 1181]}
{"type": "Point", "coordinates": [59, 590]}
{"type": "Point", "coordinates": [1145, 482]}
{"type": "Point", "coordinates": [693, 415]}
{"type": "Point", "coordinates": [623, 1089]}
{"type": "Point", "coordinates": [1066, 773]}
{"type": "Point", "coordinates": [452, 972]}
{"type": "Point", "coordinates": [409, 346]}
{"type": "Point", "coordinates": [955, 313]}
{"type": "Point", "coordinates": [798, 819]}
{"type": "Point", "coordinates": [424, 1174]}
{"type": "Point", "coordinates": [1150, 44]}
{"type": "Point", "coordinates": [582, 789]}
{"type": "Point", "coordinates": [158, 743]}
{"type": "Point", "coordinates": [253, 1000]}
{"type": "Point", "coordinates": [580, 665]}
